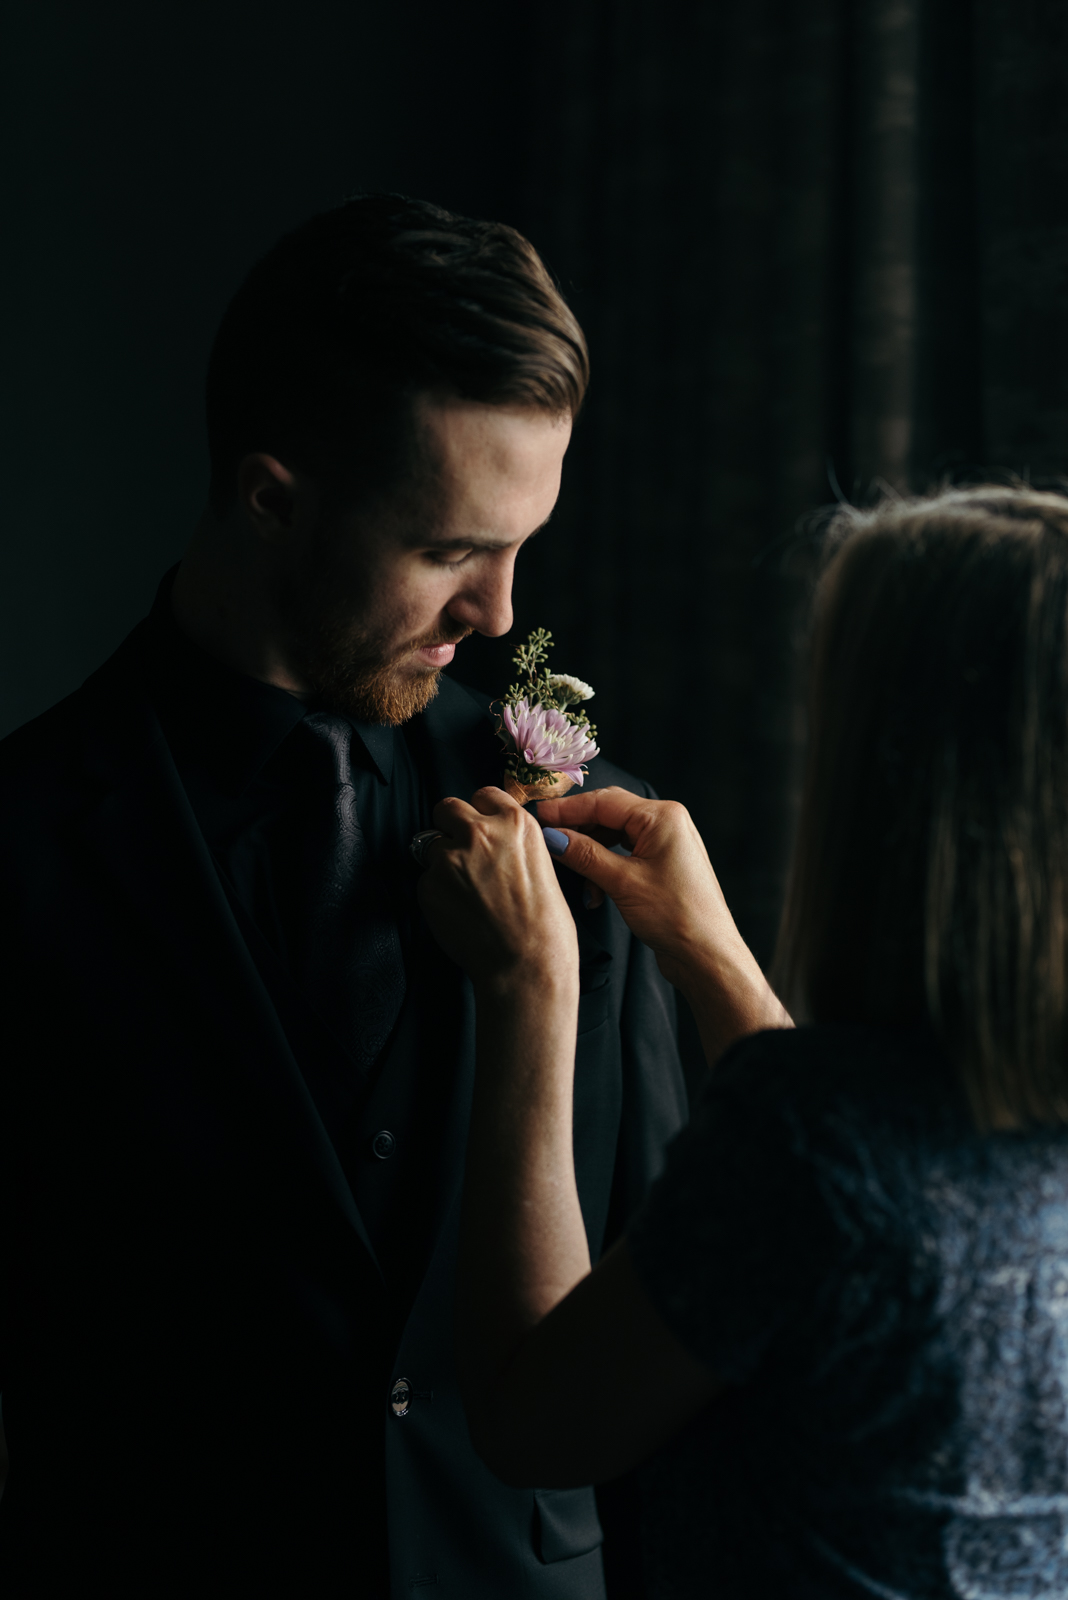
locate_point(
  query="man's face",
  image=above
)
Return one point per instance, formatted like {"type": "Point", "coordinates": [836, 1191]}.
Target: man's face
{"type": "Point", "coordinates": [382, 594]}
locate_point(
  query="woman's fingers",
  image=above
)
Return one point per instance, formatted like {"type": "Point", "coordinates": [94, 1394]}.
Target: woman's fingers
{"type": "Point", "coordinates": [614, 812]}
{"type": "Point", "coordinates": [665, 889]}
{"type": "Point", "coordinates": [609, 836]}
{"type": "Point", "coordinates": [591, 860]}
{"type": "Point", "coordinates": [607, 816]}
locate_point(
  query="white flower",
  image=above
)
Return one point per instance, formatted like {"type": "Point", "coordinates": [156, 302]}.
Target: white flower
{"type": "Point", "coordinates": [569, 690]}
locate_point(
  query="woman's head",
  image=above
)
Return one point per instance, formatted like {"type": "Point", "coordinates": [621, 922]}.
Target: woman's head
{"type": "Point", "coordinates": [930, 877]}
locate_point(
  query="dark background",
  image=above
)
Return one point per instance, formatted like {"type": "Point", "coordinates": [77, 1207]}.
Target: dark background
{"type": "Point", "coordinates": [812, 242]}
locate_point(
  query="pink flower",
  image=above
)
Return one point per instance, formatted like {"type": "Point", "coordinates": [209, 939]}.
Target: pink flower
{"type": "Point", "coordinates": [545, 738]}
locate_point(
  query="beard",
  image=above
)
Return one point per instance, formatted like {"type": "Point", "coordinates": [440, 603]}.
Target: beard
{"type": "Point", "coordinates": [352, 669]}
{"type": "Point", "coordinates": [352, 674]}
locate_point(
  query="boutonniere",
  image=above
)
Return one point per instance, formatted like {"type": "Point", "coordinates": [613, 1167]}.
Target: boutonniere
{"type": "Point", "coordinates": [546, 743]}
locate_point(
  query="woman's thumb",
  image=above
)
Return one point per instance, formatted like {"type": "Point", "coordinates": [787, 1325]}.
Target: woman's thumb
{"type": "Point", "coordinates": [586, 857]}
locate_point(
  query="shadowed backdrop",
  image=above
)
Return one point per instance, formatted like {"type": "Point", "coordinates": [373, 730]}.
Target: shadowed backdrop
{"type": "Point", "coordinates": [818, 246]}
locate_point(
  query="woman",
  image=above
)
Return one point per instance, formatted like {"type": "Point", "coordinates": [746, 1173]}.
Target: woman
{"type": "Point", "coordinates": [858, 1251]}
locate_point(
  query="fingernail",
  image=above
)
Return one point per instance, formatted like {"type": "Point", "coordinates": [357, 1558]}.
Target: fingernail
{"type": "Point", "coordinates": [587, 896]}
{"type": "Point", "coordinates": [557, 841]}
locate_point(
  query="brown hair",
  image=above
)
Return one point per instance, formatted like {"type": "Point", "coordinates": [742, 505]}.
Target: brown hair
{"type": "Point", "coordinates": [332, 332]}
{"type": "Point", "coordinates": [930, 875]}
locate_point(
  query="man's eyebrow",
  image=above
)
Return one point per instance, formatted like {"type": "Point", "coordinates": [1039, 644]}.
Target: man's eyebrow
{"type": "Point", "coordinates": [475, 543]}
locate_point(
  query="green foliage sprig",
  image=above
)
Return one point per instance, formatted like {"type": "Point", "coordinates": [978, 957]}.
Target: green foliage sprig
{"type": "Point", "coordinates": [535, 682]}
{"type": "Point", "coordinates": [538, 686]}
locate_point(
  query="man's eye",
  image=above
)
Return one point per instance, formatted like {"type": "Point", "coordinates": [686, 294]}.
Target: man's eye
{"type": "Point", "coordinates": [448, 558]}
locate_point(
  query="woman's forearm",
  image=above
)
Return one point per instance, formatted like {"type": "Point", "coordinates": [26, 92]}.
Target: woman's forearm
{"type": "Point", "coordinates": [728, 995]}
{"type": "Point", "coordinates": [523, 1242]}
{"type": "Point", "coordinates": [567, 1376]}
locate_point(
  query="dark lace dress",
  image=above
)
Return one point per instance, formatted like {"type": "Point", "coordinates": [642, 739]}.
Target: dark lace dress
{"type": "Point", "coordinates": [887, 1294]}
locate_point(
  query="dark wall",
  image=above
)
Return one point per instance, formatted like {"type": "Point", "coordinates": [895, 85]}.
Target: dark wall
{"type": "Point", "coordinates": [819, 247]}
{"type": "Point", "coordinates": [151, 153]}
{"type": "Point", "coordinates": [813, 243]}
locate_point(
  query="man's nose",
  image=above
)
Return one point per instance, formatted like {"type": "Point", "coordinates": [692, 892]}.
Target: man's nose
{"type": "Point", "coordinates": [486, 605]}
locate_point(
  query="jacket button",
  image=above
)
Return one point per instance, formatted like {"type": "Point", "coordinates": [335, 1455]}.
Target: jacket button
{"type": "Point", "coordinates": [400, 1397]}
{"type": "Point", "coordinates": [383, 1144]}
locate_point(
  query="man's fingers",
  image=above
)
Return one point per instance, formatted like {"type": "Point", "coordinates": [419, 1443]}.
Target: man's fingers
{"type": "Point", "coordinates": [490, 801]}
{"type": "Point", "coordinates": [455, 818]}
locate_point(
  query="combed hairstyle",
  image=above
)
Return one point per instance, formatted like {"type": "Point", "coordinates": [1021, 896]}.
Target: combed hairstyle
{"type": "Point", "coordinates": [333, 332]}
{"type": "Point", "coordinates": [930, 874]}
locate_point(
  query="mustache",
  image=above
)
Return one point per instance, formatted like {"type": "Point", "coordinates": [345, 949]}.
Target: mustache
{"type": "Point", "coordinates": [426, 641]}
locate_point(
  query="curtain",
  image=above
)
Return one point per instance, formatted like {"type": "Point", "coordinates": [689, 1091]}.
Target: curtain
{"type": "Point", "coordinates": [819, 248]}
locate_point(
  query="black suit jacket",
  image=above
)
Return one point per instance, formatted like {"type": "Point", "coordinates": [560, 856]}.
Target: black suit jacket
{"type": "Point", "coordinates": [205, 1296]}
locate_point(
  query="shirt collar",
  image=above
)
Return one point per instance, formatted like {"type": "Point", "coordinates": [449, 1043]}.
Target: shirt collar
{"type": "Point", "coordinates": [379, 742]}
{"type": "Point", "coordinates": [226, 720]}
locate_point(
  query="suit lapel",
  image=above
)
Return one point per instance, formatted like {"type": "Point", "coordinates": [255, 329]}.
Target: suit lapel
{"type": "Point", "coordinates": [459, 745]}
{"type": "Point", "coordinates": [458, 752]}
{"type": "Point", "coordinates": [146, 835]}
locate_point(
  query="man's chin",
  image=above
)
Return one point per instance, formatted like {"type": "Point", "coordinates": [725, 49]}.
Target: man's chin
{"type": "Point", "coordinates": [387, 697]}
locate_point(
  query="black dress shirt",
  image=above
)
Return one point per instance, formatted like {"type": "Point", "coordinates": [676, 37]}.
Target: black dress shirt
{"type": "Point", "coordinates": [207, 1270]}
{"type": "Point", "coordinates": [244, 763]}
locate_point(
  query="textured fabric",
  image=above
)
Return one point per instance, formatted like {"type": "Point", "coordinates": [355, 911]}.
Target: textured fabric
{"type": "Point", "coordinates": [349, 955]}
{"type": "Point", "coordinates": [263, 790]}
{"type": "Point", "coordinates": [887, 1294]}
{"type": "Point", "coordinates": [190, 1293]}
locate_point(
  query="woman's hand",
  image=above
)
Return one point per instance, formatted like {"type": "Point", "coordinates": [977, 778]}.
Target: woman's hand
{"type": "Point", "coordinates": [670, 898]}
{"type": "Point", "coordinates": [666, 891]}
{"type": "Point", "coordinates": [491, 897]}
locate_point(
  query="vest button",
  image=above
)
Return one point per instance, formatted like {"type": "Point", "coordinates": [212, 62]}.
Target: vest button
{"type": "Point", "coordinates": [383, 1144]}
{"type": "Point", "coordinates": [400, 1397]}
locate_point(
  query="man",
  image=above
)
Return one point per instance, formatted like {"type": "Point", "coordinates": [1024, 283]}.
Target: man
{"type": "Point", "coordinates": [234, 1094]}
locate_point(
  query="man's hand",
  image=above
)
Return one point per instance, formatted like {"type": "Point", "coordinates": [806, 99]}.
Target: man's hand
{"type": "Point", "coordinates": [492, 899]}
{"type": "Point", "coordinates": [669, 896]}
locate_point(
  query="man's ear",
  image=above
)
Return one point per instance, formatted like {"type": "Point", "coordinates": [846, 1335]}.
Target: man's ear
{"type": "Point", "coordinates": [273, 499]}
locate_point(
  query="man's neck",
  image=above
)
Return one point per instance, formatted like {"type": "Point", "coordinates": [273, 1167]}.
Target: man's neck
{"type": "Point", "coordinates": [223, 600]}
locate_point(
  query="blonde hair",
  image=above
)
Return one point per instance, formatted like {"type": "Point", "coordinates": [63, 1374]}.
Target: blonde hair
{"type": "Point", "coordinates": [930, 874]}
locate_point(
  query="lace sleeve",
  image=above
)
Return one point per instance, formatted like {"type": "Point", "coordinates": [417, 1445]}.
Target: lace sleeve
{"type": "Point", "coordinates": [739, 1243]}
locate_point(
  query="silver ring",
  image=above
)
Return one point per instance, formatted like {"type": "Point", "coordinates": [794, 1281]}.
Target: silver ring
{"type": "Point", "coordinates": [420, 846]}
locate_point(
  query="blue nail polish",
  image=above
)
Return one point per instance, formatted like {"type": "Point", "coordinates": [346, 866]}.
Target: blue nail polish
{"type": "Point", "coordinates": [557, 841]}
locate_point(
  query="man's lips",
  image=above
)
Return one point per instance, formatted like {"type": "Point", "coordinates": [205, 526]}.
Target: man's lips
{"type": "Point", "coordinates": [437, 655]}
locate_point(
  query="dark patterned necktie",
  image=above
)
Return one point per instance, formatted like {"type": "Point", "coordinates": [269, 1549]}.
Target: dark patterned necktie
{"type": "Point", "coordinates": [349, 959]}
